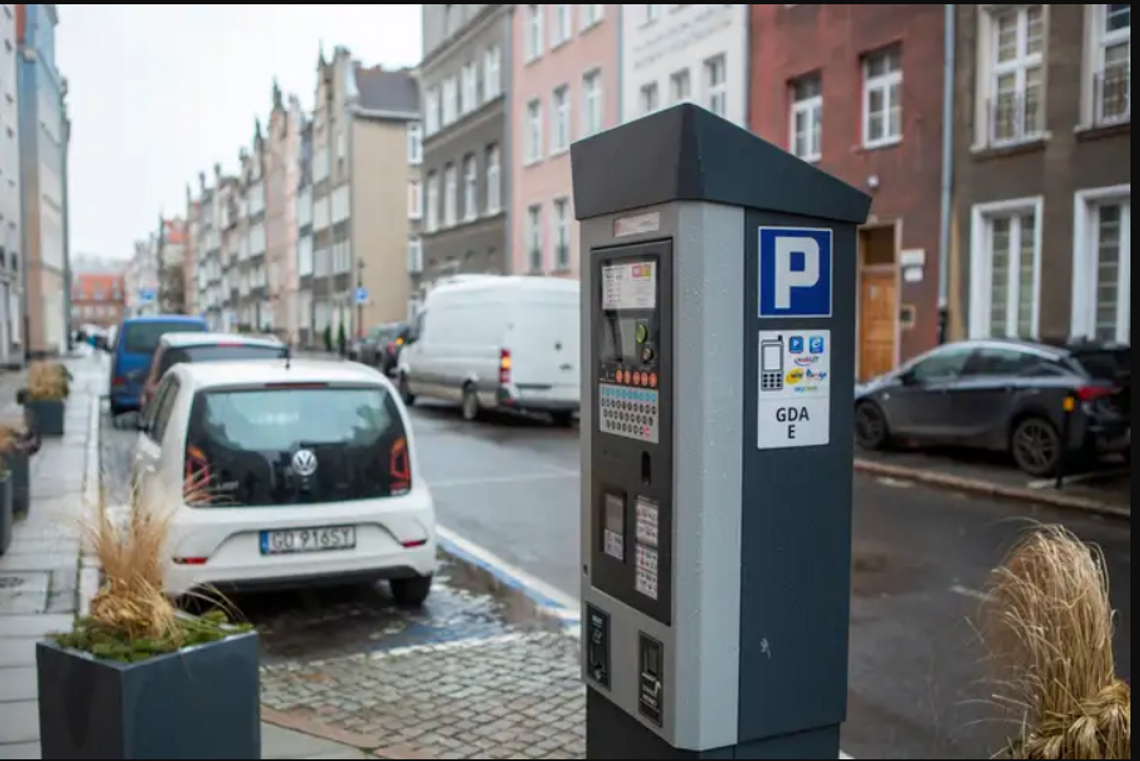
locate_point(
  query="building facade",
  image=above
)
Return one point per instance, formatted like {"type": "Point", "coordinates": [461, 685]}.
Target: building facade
{"type": "Point", "coordinates": [465, 79]}
{"type": "Point", "coordinates": [191, 253]}
{"type": "Point", "coordinates": [43, 145]}
{"type": "Point", "coordinates": [11, 206]}
{"type": "Point", "coordinates": [858, 90]}
{"type": "Point", "coordinates": [172, 243]}
{"type": "Point", "coordinates": [564, 88]}
{"type": "Point", "coordinates": [308, 335]}
{"type": "Point", "coordinates": [141, 280]}
{"type": "Point", "coordinates": [282, 159]}
{"type": "Point", "coordinates": [98, 298]}
{"type": "Point", "coordinates": [685, 53]}
{"type": "Point", "coordinates": [1042, 172]}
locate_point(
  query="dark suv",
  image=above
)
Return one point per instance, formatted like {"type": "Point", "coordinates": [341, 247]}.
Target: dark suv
{"type": "Point", "coordinates": [381, 347]}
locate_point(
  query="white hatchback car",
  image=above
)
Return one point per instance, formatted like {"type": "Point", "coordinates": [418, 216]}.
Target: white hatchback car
{"type": "Point", "coordinates": [310, 475]}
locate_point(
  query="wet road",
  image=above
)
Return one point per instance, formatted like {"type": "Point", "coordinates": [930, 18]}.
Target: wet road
{"type": "Point", "coordinates": [921, 558]}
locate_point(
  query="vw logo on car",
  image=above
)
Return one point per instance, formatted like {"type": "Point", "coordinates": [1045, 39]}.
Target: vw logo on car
{"type": "Point", "coordinates": [304, 463]}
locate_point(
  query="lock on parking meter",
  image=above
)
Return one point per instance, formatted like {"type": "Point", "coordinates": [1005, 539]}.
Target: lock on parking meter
{"type": "Point", "coordinates": [718, 354]}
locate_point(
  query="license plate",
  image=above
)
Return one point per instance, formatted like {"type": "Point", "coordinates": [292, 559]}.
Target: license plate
{"type": "Point", "coordinates": [301, 540]}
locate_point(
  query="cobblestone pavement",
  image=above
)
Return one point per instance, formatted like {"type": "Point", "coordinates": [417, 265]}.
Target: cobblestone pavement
{"type": "Point", "coordinates": [516, 695]}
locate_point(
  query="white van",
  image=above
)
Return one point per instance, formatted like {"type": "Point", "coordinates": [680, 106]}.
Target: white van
{"type": "Point", "coordinates": [497, 343]}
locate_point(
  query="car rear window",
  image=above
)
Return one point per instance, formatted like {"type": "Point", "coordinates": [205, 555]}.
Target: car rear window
{"type": "Point", "coordinates": [1105, 364]}
{"type": "Point", "coordinates": [143, 337]}
{"type": "Point", "coordinates": [218, 353]}
{"type": "Point", "coordinates": [244, 444]}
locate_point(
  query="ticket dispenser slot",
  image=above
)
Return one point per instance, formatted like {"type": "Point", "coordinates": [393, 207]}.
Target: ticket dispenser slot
{"type": "Point", "coordinates": [633, 387]}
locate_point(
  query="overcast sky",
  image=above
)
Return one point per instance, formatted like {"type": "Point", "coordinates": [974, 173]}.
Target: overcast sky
{"type": "Point", "coordinates": [158, 93]}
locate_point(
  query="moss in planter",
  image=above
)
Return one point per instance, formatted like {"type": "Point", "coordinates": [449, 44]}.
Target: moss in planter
{"type": "Point", "coordinates": [112, 644]}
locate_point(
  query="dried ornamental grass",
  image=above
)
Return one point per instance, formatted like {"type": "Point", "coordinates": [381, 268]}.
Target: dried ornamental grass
{"type": "Point", "coordinates": [1050, 629]}
{"type": "Point", "coordinates": [48, 382]}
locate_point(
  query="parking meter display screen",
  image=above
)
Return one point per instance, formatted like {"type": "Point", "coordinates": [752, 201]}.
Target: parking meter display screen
{"type": "Point", "coordinates": [619, 338]}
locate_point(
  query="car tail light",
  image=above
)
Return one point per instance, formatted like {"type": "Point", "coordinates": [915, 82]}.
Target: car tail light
{"type": "Point", "coordinates": [415, 544]}
{"type": "Point", "coordinates": [392, 346]}
{"type": "Point", "coordinates": [400, 466]}
{"type": "Point", "coordinates": [1094, 393]}
{"type": "Point", "coordinates": [504, 367]}
{"type": "Point", "coordinates": [197, 482]}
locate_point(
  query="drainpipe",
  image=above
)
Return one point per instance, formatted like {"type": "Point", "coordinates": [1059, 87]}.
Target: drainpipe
{"type": "Point", "coordinates": [947, 179]}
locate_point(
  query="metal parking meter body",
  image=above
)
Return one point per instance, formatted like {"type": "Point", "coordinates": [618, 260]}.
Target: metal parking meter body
{"type": "Point", "coordinates": [718, 355]}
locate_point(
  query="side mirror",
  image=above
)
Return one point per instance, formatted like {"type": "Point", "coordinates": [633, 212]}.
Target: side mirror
{"type": "Point", "coordinates": [909, 379]}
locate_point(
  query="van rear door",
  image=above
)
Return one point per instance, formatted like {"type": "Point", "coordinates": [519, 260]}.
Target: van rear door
{"type": "Point", "coordinates": [544, 346]}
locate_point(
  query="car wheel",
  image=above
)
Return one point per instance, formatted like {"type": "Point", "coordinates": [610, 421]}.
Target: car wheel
{"type": "Point", "coordinates": [411, 593]}
{"type": "Point", "coordinates": [1036, 447]}
{"type": "Point", "coordinates": [405, 393]}
{"type": "Point", "coordinates": [470, 404]}
{"type": "Point", "coordinates": [116, 410]}
{"type": "Point", "coordinates": [563, 419]}
{"type": "Point", "coordinates": [871, 429]}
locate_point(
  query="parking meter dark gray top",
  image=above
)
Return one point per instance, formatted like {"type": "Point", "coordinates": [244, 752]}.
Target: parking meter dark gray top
{"type": "Point", "coordinates": [718, 287]}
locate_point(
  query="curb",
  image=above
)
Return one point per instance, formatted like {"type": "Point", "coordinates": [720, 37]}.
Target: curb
{"type": "Point", "coordinates": [313, 728]}
{"type": "Point", "coordinates": [87, 585]}
{"type": "Point", "coordinates": [973, 486]}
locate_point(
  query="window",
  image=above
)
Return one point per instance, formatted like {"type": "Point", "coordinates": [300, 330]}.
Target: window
{"type": "Point", "coordinates": [941, 364]}
{"type": "Point", "coordinates": [652, 12]}
{"type": "Point", "coordinates": [431, 111]}
{"type": "Point", "coordinates": [591, 103]}
{"type": "Point", "coordinates": [994, 362]}
{"type": "Point", "coordinates": [1102, 265]}
{"type": "Point", "coordinates": [716, 85]}
{"type": "Point", "coordinates": [649, 98]}
{"type": "Point", "coordinates": [470, 188]}
{"type": "Point", "coordinates": [592, 14]}
{"type": "Point", "coordinates": [492, 79]}
{"type": "Point", "coordinates": [450, 196]}
{"type": "Point", "coordinates": [807, 118]}
{"type": "Point", "coordinates": [534, 26]}
{"type": "Point", "coordinates": [415, 255]}
{"type": "Point", "coordinates": [470, 98]}
{"type": "Point", "coordinates": [432, 202]}
{"type": "Point", "coordinates": [533, 131]}
{"type": "Point", "coordinates": [1017, 75]}
{"type": "Point", "coordinates": [1005, 251]}
{"type": "Point", "coordinates": [494, 180]}
{"type": "Point", "coordinates": [1112, 91]}
{"type": "Point", "coordinates": [563, 25]}
{"type": "Point", "coordinates": [560, 233]}
{"type": "Point", "coordinates": [415, 144]}
{"type": "Point", "coordinates": [560, 122]}
{"type": "Point", "coordinates": [415, 200]}
{"type": "Point", "coordinates": [882, 99]}
{"type": "Point", "coordinates": [450, 102]}
{"type": "Point", "coordinates": [534, 238]}
{"type": "Point", "coordinates": [679, 87]}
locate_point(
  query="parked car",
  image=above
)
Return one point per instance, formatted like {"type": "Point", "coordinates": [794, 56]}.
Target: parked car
{"type": "Point", "coordinates": [497, 343]}
{"type": "Point", "coordinates": [284, 475]}
{"type": "Point", "coordinates": [1004, 396]}
{"type": "Point", "coordinates": [135, 343]}
{"type": "Point", "coordinates": [381, 347]}
{"type": "Point", "coordinates": [175, 348]}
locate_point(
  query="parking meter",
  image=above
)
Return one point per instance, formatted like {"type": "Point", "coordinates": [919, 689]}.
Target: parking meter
{"type": "Point", "coordinates": [718, 355]}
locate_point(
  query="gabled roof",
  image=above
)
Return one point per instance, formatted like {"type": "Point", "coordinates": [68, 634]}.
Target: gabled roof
{"type": "Point", "coordinates": [394, 92]}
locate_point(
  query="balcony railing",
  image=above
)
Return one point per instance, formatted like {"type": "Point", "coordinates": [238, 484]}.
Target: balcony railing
{"type": "Point", "coordinates": [1016, 117]}
{"type": "Point", "coordinates": [1112, 96]}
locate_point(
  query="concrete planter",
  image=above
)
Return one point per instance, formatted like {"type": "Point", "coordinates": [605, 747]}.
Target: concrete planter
{"type": "Point", "coordinates": [46, 417]}
{"type": "Point", "coordinates": [7, 518]}
{"type": "Point", "coordinates": [19, 465]}
{"type": "Point", "coordinates": [202, 702]}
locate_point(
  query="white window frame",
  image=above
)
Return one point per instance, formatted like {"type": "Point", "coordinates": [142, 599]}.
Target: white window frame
{"type": "Point", "coordinates": [992, 70]}
{"type": "Point", "coordinates": [494, 180]}
{"type": "Point", "coordinates": [653, 12]}
{"type": "Point", "coordinates": [559, 232]}
{"type": "Point", "coordinates": [676, 79]}
{"type": "Point", "coordinates": [560, 120]}
{"type": "Point", "coordinates": [450, 195]}
{"type": "Point", "coordinates": [807, 108]}
{"type": "Point", "coordinates": [534, 241]}
{"type": "Point", "coordinates": [1096, 19]}
{"type": "Point", "coordinates": [415, 200]}
{"type": "Point", "coordinates": [716, 92]}
{"type": "Point", "coordinates": [470, 188]}
{"type": "Point", "coordinates": [431, 196]}
{"type": "Point", "coordinates": [432, 112]}
{"type": "Point", "coordinates": [886, 85]}
{"type": "Point", "coordinates": [450, 101]}
{"type": "Point", "coordinates": [532, 134]}
{"type": "Point", "coordinates": [415, 144]}
{"type": "Point", "coordinates": [415, 255]}
{"type": "Point", "coordinates": [1086, 206]}
{"type": "Point", "coordinates": [592, 15]}
{"type": "Point", "coordinates": [492, 73]}
{"type": "Point", "coordinates": [469, 97]}
{"type": "Point", "coordinates": [650, 98]}
{"type": "Point", "coordinates": [981, 266]}
{"type": "Point", "coordinates": [562, 30]}
{"type": "Point", "coordinates": [593, 103]}
{"type": "Point", "coordinates": [534, 31]}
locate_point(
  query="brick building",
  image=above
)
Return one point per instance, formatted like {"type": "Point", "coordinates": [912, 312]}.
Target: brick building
{"type": "Point", "coordinates": [858, 90]}
{"type": "Point", "coordinates": [97, 298]}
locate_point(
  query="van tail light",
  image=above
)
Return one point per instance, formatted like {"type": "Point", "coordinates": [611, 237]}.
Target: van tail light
{"type": "Point", "coordinates": [118, 381]}
{"type": "Point", "coordinates": [504, 367]}
{"type": "Point", "coordinates": [197, 483]}
{"type": "Point", "coordinates": [1090, 394]}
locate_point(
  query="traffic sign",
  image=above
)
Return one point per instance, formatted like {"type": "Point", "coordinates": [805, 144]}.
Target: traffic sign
{"type": "Point", "coordinates": [361, 295]}
{"type": "Point", "coordinates": [147, 295]}
{"type": "Point", "coordinates": [795, 272]}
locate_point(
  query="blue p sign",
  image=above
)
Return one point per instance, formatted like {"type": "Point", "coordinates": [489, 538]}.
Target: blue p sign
{"type": "Point", "coordinates": [795, 272]}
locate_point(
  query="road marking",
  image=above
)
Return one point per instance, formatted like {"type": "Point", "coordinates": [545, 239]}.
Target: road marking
{"type": "Point", "coordinates": [457, 483]}
{"type": "Point", "coordinates": [973, 594]}
{"type": "Point", "coordinates": [1049, 483]}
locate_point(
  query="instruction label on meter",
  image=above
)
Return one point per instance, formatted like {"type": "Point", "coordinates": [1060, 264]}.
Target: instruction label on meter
{"type": "Point", "coordinates": [648, 520]}
{"type": "Point", "coordinates": [794, 389]}
{"type": "Point", "coordinates": [629, 286]}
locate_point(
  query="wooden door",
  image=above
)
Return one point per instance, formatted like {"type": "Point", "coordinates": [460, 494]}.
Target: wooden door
{"type": "Point", "coordinates": [878, 322]}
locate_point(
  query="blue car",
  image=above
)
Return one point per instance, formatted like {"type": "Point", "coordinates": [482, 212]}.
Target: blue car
{"type": "Point", "coordinates": [134, 348]}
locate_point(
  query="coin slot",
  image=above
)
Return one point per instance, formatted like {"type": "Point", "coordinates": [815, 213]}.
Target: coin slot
{"type": "Point", "coordinates": [646, 469]}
